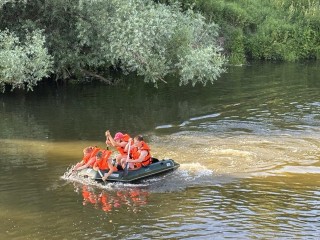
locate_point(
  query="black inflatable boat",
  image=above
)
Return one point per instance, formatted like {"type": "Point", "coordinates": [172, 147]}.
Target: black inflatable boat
{"type": "Point", "coordinates": [156, 168]}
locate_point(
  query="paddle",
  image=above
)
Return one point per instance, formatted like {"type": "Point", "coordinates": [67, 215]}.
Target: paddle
{"type": "Point", "coordinates": [107, 142]}
{"type": "Point", "coordinates": [126, 169]}
{"type": "Point", "coordinates": [101, 175]}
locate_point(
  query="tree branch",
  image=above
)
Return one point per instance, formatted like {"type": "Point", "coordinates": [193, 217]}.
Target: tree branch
{"type": "Point", "coordinates": [101, 78]}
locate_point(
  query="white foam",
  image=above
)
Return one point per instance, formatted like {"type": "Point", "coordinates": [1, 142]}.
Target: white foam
{"type": "Point", "coordinates": [299, 170]}
{"type": "Point", "coordinates": [205, 116]}
{"type": "Point", "coordinates": [197, 169]}
{"type": "Point", "coordinates": [164, 126]}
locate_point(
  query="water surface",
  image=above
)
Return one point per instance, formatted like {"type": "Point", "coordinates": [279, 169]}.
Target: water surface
{"type": "Point", "coordinates": [248, 146]}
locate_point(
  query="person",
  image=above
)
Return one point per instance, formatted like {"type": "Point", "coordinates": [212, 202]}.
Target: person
{"type": "Point", "coordinates": [102, 158]}
{"type": "Point", "coordinates": [112, 168]}
{"type": "Point", "coordinates": [89, 154]}
{"type": "Point", "coordinates": [140, 155]}
{"type": "Point", "coordinates": [119, 141]}
{"type": "Point", "coordinates": [104, 163]}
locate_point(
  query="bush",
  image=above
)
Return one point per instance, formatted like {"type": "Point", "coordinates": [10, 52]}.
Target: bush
{"type": "Point", "coordinates": [284, 30]}
{"type": "Point", "coordinates": [23, 64]}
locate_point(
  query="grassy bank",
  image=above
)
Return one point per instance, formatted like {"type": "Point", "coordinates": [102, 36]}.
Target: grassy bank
{"type": "Point", "coordinates": [281, 30]}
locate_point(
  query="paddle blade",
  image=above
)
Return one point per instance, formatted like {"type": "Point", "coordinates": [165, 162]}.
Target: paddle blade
{"type": "Point", "coordinates": [126, 169]}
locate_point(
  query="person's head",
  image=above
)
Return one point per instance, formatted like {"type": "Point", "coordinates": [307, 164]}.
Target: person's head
{"type": "Point", "coordinates": [99, 156]}
{"type": "Point", "coordinates": [118, 136]}
{"type": "Point", "coordinates": [87, 150]}
{"type": "Point", "coordinates": [137, 139]}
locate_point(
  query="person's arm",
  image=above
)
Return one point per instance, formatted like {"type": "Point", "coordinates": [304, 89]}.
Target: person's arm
{"type": "Point", "coordinates": [95, 166]}
{"type": "Point", "coordinates": [109, 139]}
{"type": "Point", "coordinates": [126, 147]}
{"type": "Point", "coordinates": [106, 175]}
{"type": "Point", "coordinates": [90, 162]}
{"type": "Point", "coordinates": [143, 154]}
{"type": "Point", "coordinates": [79, 164]}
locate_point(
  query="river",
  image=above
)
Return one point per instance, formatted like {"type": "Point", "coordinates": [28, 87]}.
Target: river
{"type": "Point", "coordinates": [248, 145]}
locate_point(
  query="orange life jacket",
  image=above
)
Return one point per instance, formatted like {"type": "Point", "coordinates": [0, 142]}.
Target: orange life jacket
{"type": "Point", "coordinates": [87, 154]}
{"type": "Point", "coordinates": [125, 138]}
{"type": "Point", "coordinates": [92, 158]}
{"type": "Point", "coordinates": [136, 154]}
{"type": "Point", "coordinates": [91, 161]}
{"type": "Point", "coordinates": [95, 151]}
{"type": "Point", "coordinates": [90, 154]}
{"type": "Point", "coordinates": [86, 157]}
{"type": "Point", "coordinates": [102, 164]}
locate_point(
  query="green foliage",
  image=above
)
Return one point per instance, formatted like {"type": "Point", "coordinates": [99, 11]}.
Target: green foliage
{"type": "Point", "coordinates": [23, 64]}
{"type": "Point", "coordinates": [87, 37]}
{"type": "Point", "coordinates": [288, 39]}
{"type": "Point", "coordinates": [234, 19]}
{"type": "Point", "coordinates": [3, 2]}
{"type": "Point", "coordinates": [235, 45]}
{"type": "Point", "coordinates": [200, 65]}
{"type": "Point", "coordinates": [150, 39]}
{"type": "Point", "coordinates": [285, 30]}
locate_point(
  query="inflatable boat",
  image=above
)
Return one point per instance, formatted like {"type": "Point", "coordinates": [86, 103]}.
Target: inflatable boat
{"type": "Point", "coordinates": [156, 168]}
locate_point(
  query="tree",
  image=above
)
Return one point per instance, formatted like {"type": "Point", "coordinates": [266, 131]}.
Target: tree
{"type": "Point", "coordinates": [23, 64]}
{"type": "Point", "coordinates": [87, 37]}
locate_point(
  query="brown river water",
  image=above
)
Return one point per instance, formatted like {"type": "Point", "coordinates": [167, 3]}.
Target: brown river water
{"type": "Point", "coordinates": [248, 145]}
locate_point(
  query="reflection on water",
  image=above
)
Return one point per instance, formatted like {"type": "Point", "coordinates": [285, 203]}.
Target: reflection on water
{"type": "Point", "coordinates": [108, 201]}
{"type": "Point", "coordinates": [249, 149]}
